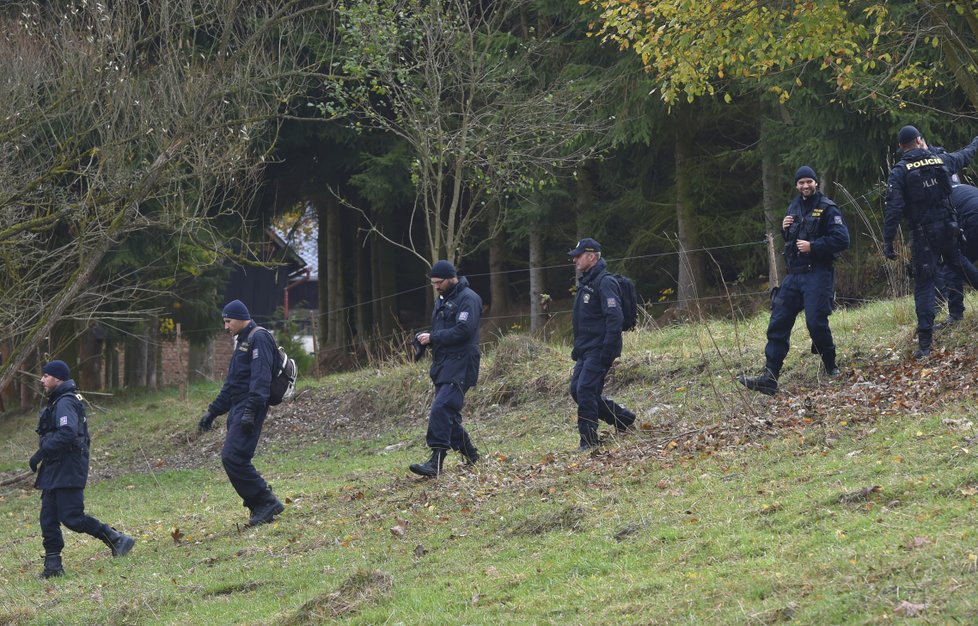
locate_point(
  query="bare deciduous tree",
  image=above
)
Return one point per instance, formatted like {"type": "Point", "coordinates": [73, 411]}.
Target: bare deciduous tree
{"type": "Point", "coordinates": [484, 111]}
{"type": "Point", "coordinates": [118, 117]}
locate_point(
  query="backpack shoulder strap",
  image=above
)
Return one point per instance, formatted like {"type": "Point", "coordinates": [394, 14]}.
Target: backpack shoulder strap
{"type": "Point", "coordinates": [251, 335]}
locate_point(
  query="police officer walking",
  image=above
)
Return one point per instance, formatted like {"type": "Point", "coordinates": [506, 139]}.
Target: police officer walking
{"type": "Point", "coordinates": [918, 189]}
{"type": "Point", "coordinates": [454, 342]}
{"type": "Point", "coordinates": [964, 200]}
{"type": "Point", "coordinates": [61, 463]}
{"type": "Point", "coordinates": [814, 234]}
{"type": "Point", "coordinates": [244, 397]}
{"type": "Point", "coordinates": [597, 343]}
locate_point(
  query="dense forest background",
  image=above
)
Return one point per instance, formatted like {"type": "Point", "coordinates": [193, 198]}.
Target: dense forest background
{"type": "Point", "coordinates": [146, 149]}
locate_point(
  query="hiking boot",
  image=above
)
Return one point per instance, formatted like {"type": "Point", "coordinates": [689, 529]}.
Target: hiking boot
{"type": "Point", "coordinates": [766, 383]}
{"type": "Point", "coordinates": [471, 457]}
{"type": "Point", "coordinates": [52, 566]}
{"type": "Point", "coordinates": [921, 353]}
{"type": "Point", "coordinates": [266, 511]}
{"type": "Point", "coordinates": [433, 466]}
{"type": "Point", "coordinates": [119, 543]}
{"type": "Point", "coordinates": [950, 321]}
{"type": "Point", "coordinates": [624, 419]}
{"type": "Point", "coordinates": [833, 372]}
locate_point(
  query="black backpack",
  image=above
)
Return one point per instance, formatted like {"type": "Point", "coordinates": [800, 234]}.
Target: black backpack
{"type": "Point", "coordinates": [284, 371]}
{"type": "Point", "coordinates": [629, 301]}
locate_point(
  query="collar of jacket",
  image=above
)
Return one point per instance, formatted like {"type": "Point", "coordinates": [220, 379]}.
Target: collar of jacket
{"type": "Point", "coordinates": [462, 282]}
{"type": "Point", "coordinates": [244, 331]}
{"type": "Point", "coordinates": [66, 386]}
{"type": "Point", "coordinates": [594, 271]}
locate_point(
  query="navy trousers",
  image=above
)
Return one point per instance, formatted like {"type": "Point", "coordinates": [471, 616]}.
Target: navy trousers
{"type": "Point", "coordinates": [237, 453]}
{"type": "Point", "coordinates": [932, 245]}
{"type": "Point", "coordinates": [586, 385]}
{"type": "Point", "coordinates": [812, 293]}
{"type": "Point", "coordinates": [445, 420]}
{"type": "Point", "coordinates": [65, 506]}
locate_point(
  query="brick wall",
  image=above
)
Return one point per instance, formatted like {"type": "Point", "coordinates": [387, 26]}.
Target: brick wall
{"type": "Point", "coordinates": [176, 360]}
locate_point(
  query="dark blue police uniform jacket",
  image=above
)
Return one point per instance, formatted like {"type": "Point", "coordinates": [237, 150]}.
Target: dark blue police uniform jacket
{"type": "Point", "coordinates": [918, 189]}
{"type": "Point", "coordinates": [817, 220]}
{"type": "Point", "coordinates": [249, 375]}
{"type": "Point", "coordinates": [964, 199]}
{"type": "Point", "coordinates": [455, 337]}
{"type": "Point", "coordinates": [64, 440]}
{"type": "Point", "coordinates": [919, 186]}
{"type": "Point", "coordinates": [597, 313]}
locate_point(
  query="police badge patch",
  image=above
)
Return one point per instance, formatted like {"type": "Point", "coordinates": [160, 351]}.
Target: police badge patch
{"type": "Point", "coordinates": [63, 420]}
{"type": "Point", "coordinates": [254, 354]}
{"type": "Point", "coordinates": [612, 303]}
{"type": "Point", "coordinates": [464, 315]}
{"type": "Point", "coordinates": [838, 219]}
{"type": "Point", "coordinates": [587, 298]}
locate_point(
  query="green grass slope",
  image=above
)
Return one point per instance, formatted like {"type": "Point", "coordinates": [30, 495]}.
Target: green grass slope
{"type": "Point", "coordinates": [843, 501]}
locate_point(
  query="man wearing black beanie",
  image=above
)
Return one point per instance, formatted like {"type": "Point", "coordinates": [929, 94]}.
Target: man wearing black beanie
{"type": "Point", "coordinates": [454, 342]}
{"type": "Point", "coordinates": [814, 235]}
{"type": "Point", "coordinates": [244, 397]}
{"type": "Point", "coordinates": [919, 189]}
{"type": "Point", "coordinates": [61, 463]}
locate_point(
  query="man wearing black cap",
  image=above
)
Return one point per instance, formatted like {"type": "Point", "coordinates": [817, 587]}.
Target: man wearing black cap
{"type": "Point", "coordinates": [244, 397]}
{"type": "Point", "coordinates": [919, 188]}
{"type": "Point", "coordinates": [597, 321]}
{"type": "Point", "coordinates": [61, 463]}
{"type": "Point", "coordinates": [814, 235]}
{"type": "Point", "coordinates": [454, 343]}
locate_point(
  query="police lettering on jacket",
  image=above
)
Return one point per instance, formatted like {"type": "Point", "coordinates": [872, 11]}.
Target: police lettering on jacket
{"type": "Point", "coordinates": [62, 429]}
{"type": "Point", "coordinates": [455, 353]}
{"type": "Point", "coordinates": [597, 311]}
{"type": "Point", "coordinates": [919, 186]}
{"type": "Point", "coordinates": [249, 373]}
{"type": "Point", "coordinates": [818, 221]}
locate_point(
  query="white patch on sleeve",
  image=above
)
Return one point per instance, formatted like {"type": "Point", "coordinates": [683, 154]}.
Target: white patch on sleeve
{"type": "Point", "coordinates": [254, 354]}
{"type": "Point", "coordinates": [63, 420]}
{"type": "Point", "coordinates": [838, 219]}
{"type": "Point", "coordinates": [612, 303]}
{"type": "Point", "coordinates": [464, 315]}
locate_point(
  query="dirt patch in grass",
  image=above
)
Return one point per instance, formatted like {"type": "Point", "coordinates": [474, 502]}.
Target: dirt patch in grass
{"type": "Point", "coordinates": [363, 587]}
{"type": "Point", "coordinates": [567, 518]}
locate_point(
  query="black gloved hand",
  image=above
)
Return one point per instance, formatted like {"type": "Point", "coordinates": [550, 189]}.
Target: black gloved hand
{"type": "Point", "coordinates": [418, 349]}
{"type": "Point", "coordinates": [248, 421]}
{"type": "Point", "coordinates": [575, 354]}
{"type": "Point", "coordinates": [888, 250]}
{"type": "Point", "coordinates": [206, 422]}
{"type": "Point", "coordinates": [607, 357]}
{"type": "Point", "coordinates": [36, 459]}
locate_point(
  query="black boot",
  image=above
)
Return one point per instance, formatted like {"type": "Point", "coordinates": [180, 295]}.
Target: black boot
{"type": "Point", "coordinates": [266, 510]}
{"type": "Point", "coordinates": [469, 452]}
{"type": "Point", "coordinates": [433, 466]}
{"type": "Point", "coordinates": [119, 543]}
{"type": "Point", "coordinates": [766, 383]}
{"type": "Point", "coordinates": [52, 566]}
{"type": "Point", "coordinates": [588, 430]}
{"type": "Point", "coordinates": [923, 345]}
{"type": "Point", "coordinates": [624, 418]}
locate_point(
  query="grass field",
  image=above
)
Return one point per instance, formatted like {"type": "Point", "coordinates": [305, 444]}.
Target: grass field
{"type": "Point", "coordinates": [843, 501]}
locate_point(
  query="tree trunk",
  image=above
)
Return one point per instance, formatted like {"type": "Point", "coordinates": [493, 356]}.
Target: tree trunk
{"type": "Point", "coordinates": [362, 293]}
{"type": "Point", "coordinates": [324, 277]}
{"type": "Point", "coordinates": [690, 274]}
{"type": "Point", "coordinates": [773, 205]}
{"type": "Point", "coordinates": [381, 268]}
{"type": "Point", "coordinates": [537, 288]}
{"type": "Point", "coordinates": [498, 283]}
{"type": "Point", "coordinates": [152, 353]}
